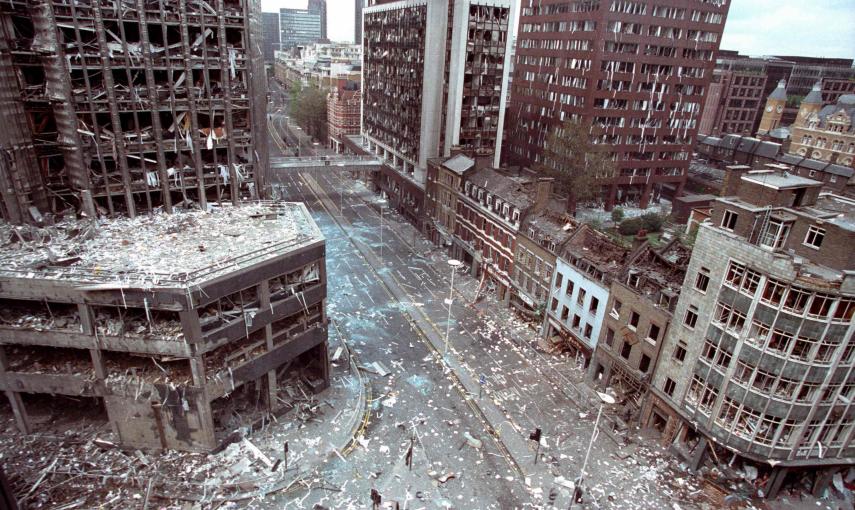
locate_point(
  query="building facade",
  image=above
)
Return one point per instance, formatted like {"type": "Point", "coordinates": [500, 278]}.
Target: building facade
{"type": "Point", "coordinates": [114, 115]}
{"type": "Point", "coordinates": [165, 355]}
{"type": "Point", "coordinates": [343, 111]}
{"type": "Point", "coordinates": [271, 33]}
{"type": "Point", "coordinates": [490, 210]}
{"type": "Point", "coordinates": [734, 98]}
{"type": "Point", "coordinates": [319, 7]}
{"type": "Point", "coordinates": [434, 76]}
{"type": "Point", "coordinates": [299, 27]}
{"type": "Point", "coordinates": [580, 290]}
{"type": "Point", "coordinates": [357, 26]}
{"type": "Point", "coordinates": [636, 70]}
{"type": "Point", "coordinates": [641, 301]}
{"type": "Point", "coordinates": [761, 351]}
{"type": "Point", "coordinates": [826, 134]}
{"type": "Point", "coordinates": [542, 236]}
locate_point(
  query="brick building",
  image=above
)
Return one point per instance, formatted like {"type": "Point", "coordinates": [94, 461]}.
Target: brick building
{"type": "Point", "coordinates": [734, 98]}
{"type": "Point", "coordinates": [121, 110]}
{"type": "Point", "coordinates": [641, 302]}
{"type": "Point", "coordinates": [490, 210]}
{"type": "Point", "coordinates": [344, 105]}
{"type": "Point", "coordinates": [542, 236]}
{"type": "Point", "coordinates": [761, 352]}
{"type": "Point", "coordinates": [639, 70]}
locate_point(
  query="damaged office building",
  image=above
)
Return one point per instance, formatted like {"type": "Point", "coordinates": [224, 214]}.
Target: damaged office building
{"type": "Point", "coordinates": [176, 329]}
{"type": "Point", "coordinates": [124, 106]}
{"type": "Point", "coordinates": [758, 365]}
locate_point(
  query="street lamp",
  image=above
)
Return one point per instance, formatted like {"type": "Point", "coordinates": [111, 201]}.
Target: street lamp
{"type": "Point", "coordinates": [454, 263]}
{"type": "Point", "coordinates": [340, 189]}
{"type": "Point", "coordinates": [605, 398]}
{"type": "Point", "coordinates": [382, 204]}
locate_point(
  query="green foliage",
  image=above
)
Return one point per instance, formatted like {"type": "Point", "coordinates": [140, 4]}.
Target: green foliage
{"type": "Point", "coordinates": [651, 222]}
{"type": "Point", "coordinates": [617, 214]}
{"type": "Point", "coordinates": [309, 110]}
{"type": "Point", "coordinates": [630, 226]}
{"type": "Point", "coordinates": [575, 162]}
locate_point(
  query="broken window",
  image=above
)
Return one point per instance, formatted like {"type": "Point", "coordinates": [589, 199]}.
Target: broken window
{"type": "Point", "coordinates": [807, 391]}
{"type": "Point", "coordinates": [773, 292]}
{"type": "Point", "coordinates": [820, 305]}
{"type": "Point", "coordinates": [802, 348]}
{"type": "Point", "coordinates": [702, 281]}
{"type": "Point", "coordinates": [644, 364]}
{"type": "Point", "coordinates": [780, 341]}
{"type": "Point", "coordinates": [610, 337]}
{"type": "Point", "coordinates": [680, 351]}
{"type": "Point", "coordinates": [728, 220]}
{"type": "Point", "coordinates": [750, 282]}
{"type": "Point", "coordinates": [826, 348]}
{"type": "Point", "coordinates": [735, 271]}
{"type": "Point", "coordinates": [691, 317]}
{"type": "Point", "coordinates": [625, 350]}
{"type": "Point", "coordinates": [634, 319]}
{"type": "Point", "coordinates": [701, 396]}
{"type": "Point", "coordinates": [653, 334]}
{"type": "Point", "coordinates": [616, 306]}
{"type": "Point", "coordinates": [796, 300]}
{"type": "Point", "coordinates": [763, 381]}
{"type": "Point", "coordinates": [844, 310]}
{"type": "Point", "coordinates": [743, 372]}
{"type": "Point", "coordinates": [669, 386]}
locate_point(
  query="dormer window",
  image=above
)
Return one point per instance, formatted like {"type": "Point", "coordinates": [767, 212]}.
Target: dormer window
{"type": "Point", "coordinates": [489, 200]}
{"type": "Point", "coordinates": [480, 195]}
{"type": "Point", "coordinates": [466, 187]}
{"type": "Point", "coordinates": [531, 232]}
{"type": "Point", "coordinates": [505, 210]}
{"type": "Point", "coordinates": [516, 216]}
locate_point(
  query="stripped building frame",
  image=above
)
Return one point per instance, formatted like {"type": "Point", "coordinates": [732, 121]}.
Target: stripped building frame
{"type": "Point", "coordinates": [128, 106]}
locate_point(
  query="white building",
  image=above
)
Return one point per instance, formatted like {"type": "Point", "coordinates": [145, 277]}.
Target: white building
{"type": "Point", "coordinates": [580, 289]}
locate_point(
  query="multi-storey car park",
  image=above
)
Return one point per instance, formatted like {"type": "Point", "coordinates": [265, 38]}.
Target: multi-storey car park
{"type": "Point", "coordinates": [166, 325]}
{"type": "Point", "coordinates": [134, 104]}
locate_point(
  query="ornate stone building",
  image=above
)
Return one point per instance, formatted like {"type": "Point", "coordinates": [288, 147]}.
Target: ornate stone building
{"type": "Point", "coordinates": [825, 132]}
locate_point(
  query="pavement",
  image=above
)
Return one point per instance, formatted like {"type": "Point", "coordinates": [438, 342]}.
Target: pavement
{"type": "Point", "coordinates": [524, 388]}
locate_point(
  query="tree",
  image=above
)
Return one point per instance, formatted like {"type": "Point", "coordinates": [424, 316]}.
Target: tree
{"type": "Point", "coordinates": [309, 110]}
{"type": "Point", "coordinates": [617, 214]}
{"type": "Point", "coordinates": [577, 164]}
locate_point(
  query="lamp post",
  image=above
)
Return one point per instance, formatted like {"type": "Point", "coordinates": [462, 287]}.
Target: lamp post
{"type": "Point", "coordinates": [454, 263]}
{"type": "Point", "coordinates": [340, 189]}
{"type": "Point", "coordinates": [382, 204]}
{"type": "Point", "coordinates": [605, 398]}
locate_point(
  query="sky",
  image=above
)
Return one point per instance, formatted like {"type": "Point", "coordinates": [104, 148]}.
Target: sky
{"type": "Point", "coordinates": [814, 28]}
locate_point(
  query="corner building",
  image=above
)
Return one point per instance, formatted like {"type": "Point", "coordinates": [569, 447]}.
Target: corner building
{"type": "Point", "coordinates": [760, 358]}
{"type": "Point", "coordinates": [637, 69]}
